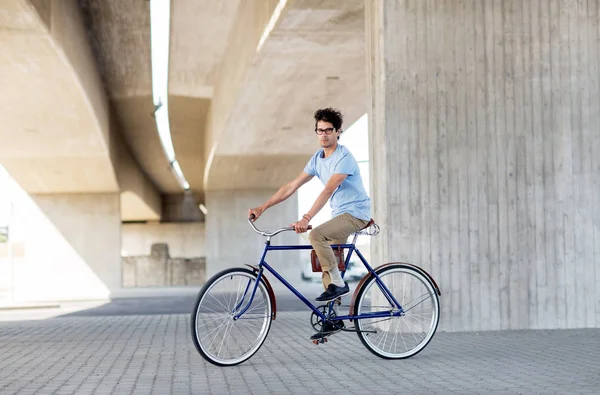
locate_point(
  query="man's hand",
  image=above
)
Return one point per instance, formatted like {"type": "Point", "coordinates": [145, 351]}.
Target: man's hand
{"type": "Point", "coordinates": [256, 211]}
{"type": "Point", "coordinates": [300, 226]}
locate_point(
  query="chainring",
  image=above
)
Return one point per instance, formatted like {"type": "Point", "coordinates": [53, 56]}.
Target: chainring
{"type": "Point", "coordinates": [316, 322]}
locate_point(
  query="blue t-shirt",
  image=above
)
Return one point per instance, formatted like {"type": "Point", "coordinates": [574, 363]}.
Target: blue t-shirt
{"type": "Point", "coordinates": [350, 197]}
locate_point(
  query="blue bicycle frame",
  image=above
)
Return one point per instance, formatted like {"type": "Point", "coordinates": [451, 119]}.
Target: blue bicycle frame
{"type": "Point", "coordinates": [352, 247]}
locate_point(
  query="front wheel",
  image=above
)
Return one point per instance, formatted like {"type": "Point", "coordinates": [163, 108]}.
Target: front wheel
{"type": "Point", "coordinates": [218, 336]}
{"type": "Point", "coordinates": [398, 337]}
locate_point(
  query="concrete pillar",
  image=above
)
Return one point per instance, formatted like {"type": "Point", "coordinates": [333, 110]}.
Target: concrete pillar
{"type": "Point", "coordinates": [231, 241]}
{"type": "Point", "coordinates": [485, 152]}
{"type": "Point", "coordinates": [71, 247]}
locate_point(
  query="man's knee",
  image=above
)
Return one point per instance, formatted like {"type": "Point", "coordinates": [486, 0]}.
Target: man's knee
{"type": "Point", "coordinates": [315, 236]}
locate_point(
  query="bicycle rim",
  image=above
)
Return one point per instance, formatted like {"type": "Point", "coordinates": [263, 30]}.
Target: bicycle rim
{"type": "Point", "coordinates": [217, 336]}
{"type": "Point", "coordinates": [403, 336]}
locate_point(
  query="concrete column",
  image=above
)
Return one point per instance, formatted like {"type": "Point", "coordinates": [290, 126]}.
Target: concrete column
{"type": "Point", "coordinates": [485, 152]}
{"type": "Point", "coordinates": [72, 247]}
{"type": "Point", "coordinates": [231, 241]}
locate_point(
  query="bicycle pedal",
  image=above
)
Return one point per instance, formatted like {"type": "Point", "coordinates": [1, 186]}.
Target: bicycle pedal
{"type": "Point", "coordinates": [321, 340]}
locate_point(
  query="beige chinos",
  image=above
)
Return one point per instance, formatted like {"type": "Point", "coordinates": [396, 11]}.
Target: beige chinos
{"type": "Point", "coordinates": [334, 231]}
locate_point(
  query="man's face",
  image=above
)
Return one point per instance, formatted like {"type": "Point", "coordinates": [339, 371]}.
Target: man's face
{"type": "Point", "coordinates": [327, 140]}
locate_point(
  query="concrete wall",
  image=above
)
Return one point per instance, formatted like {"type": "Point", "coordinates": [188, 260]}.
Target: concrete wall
{"type": "Point", "coordinates": [66, 247]}
{"type": "Point", "coordinates": [485, 155]}
{"type": "Point", "coordinates": [230, 240]}
{"type": "Point", "coordinates": [185, 240]}
{"type": "Point", "coordinates": [160, 269]}
{"type": "Point", "coordinates": [62, 246]}
{"type": "Point", "coordinates": [163, 254]}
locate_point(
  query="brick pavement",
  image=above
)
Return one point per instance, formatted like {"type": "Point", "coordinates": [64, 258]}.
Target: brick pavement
{"type": "Point", "coordinates": [154, 354]}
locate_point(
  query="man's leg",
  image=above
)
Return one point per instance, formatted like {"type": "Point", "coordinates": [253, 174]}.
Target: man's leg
{"type": "Point", "coordinates": [337, 229]}
{"type": "Point", "coordinates": [326, 278]}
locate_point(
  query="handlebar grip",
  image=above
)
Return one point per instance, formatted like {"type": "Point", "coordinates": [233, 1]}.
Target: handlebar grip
{"type": "Point", "coordinates": [252, 216]}
{"type": "Point", "coordinates": [309, 227]}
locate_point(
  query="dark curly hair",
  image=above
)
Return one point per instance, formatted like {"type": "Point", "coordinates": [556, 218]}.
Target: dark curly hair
{"type": "Point", "coordinates": [330, 115]}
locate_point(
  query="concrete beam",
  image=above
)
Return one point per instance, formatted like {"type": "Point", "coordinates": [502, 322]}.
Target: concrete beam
{"type": "Point", "coordinates": [140, 199]}
{"type": "Point", "coordinates": [64, 137]}
{"type": "Point", "coordinates": [55, 134]}
{"type": "Point", "coordinates": [250, 23]}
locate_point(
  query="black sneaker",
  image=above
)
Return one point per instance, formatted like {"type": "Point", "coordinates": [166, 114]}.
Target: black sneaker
{"type": "Point", "coordinates": [333, 292]}
{"type": "Point", "coordinates": [329, 328]}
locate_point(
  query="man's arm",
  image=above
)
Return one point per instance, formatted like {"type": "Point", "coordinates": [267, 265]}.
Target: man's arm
{"type": "Point", "coordinates": [282, 194]}
{"type": "Point", "coordinates": [333, 183]}
{"type": "Point", "coordinates": [287, 190]}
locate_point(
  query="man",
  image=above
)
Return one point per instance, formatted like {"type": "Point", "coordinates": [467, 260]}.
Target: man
{"type": "Point", "coordinates": [337, 169]}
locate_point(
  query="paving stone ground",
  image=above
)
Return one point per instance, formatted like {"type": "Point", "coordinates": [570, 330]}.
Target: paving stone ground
{"type": "Point", "coordinates": [154, 354]}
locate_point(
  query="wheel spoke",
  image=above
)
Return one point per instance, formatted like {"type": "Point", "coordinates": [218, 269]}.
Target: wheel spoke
{"type": "Point", "coordinates": [218, 301]}
{"type": "Point", "coordinates": [210, 322]}
{"type": "Point", "coordinates": [216, 333]}
{"type": "Point", "coordinates": [420, 301]}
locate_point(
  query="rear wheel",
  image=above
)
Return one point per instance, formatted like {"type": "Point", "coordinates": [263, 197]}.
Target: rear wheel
{"type": "Point", "coordinates": [403, 336]}
{"type": "Point", "coordinates": [218, 336]}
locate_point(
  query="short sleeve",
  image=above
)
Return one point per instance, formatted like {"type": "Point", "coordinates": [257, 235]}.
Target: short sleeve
{"type": "Point", "coordinates": [310, 167]}
{"type": "Point", "coordinates": [346, 165]}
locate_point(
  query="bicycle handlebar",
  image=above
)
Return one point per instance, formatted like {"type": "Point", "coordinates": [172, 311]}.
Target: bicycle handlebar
{"type": "Point", "coordinates": [270, 234]}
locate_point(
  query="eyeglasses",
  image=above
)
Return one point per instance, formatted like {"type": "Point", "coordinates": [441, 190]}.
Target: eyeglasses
{"type": "Point", "coordinates": [327, 131]}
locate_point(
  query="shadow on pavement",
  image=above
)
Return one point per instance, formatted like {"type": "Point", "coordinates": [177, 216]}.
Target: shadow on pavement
{"type": "Point", "coordinates": [184, 303]}
{"type": "Point", "coordinates": [172, 305]}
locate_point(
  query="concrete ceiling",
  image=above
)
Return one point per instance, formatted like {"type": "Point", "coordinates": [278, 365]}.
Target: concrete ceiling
{"type": "Point", "coordinates": [119, 32]}
{"type": "Point", "coordinates": [199, 33]}
{"type": "Point", "coordinates": [244, 113]}
{"type": "Point", "coordinates": [314, 57]}
{"type": "Point", "coordinates": [240, 112]}
{"type": "Point", "coordinates": [120, 35]}
{"type": "Point", "coordinates": [59, 134]}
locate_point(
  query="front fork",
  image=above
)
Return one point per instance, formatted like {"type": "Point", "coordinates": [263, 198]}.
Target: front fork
{"type": "Point", "coordinates": [238, 315]}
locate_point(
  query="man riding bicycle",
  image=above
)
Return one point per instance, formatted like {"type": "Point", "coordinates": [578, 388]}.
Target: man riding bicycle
{"type": "Point", "coordinates": [337, 169]}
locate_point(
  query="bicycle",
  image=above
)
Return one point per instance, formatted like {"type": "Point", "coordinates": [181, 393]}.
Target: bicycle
{"type": "Point", "coordinates": [252, 306]}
